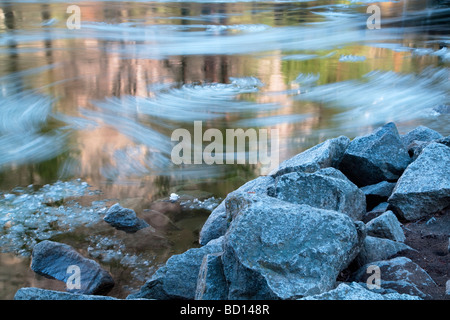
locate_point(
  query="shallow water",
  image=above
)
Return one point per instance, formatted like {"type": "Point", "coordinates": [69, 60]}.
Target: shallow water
{"type": "Point", "coordinates": [100, 103]}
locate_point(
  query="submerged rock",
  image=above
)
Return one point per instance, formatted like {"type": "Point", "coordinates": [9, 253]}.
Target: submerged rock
{"type": "Point", "coordinates": [43, 294]}
{"type": "Point", "coordinates": [379, 156]}
{"type": "Point", "coordinates": [53, 260]}
{"type": "Point", "coordinates": [326, 188]}
{"type": "Point", "coordinates": [326, 154]}
{"type": "Point", "coordinates": [424, 187]}
{"type": "Point", "coordinates": [280, 250]}
{"type": "Point", "coordinates": [124, 219]}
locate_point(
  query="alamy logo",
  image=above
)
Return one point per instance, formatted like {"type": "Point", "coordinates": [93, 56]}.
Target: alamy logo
{"type": "Point", "coordinates": [190, 149]}
{"type": "Point", "coordinates": [374, 21]}
{"type": "Point", "coordinates": [373, 281]}
{"type": "Point", "coordinates": [74, 20]}
{"type": "Point", "coordinates": [74, 280]}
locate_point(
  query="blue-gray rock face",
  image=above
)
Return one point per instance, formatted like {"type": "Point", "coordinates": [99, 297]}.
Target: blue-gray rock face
{"type": "Point", "coordinates": [421, 133]}
{"type": "Point", "coordinates": [379, 156]}
{"type": "Point", "coordinates": [177, 279]}
{"type": "Point", "coordinates": [43, 294]}
{"type": "Point", "coordinates": [356, 291]}
{"type": "Point", "coordinates": [399, 274]}
{"type": "Point", "coordinates": [424, 187]}
{"type": "Point", "coordinates": [386, 226]}
{"type": "Point", "coordinates": [124, 219]}
{"type": "Point", "coordinates": [52, 259]}
{"type": "Point", "coordinates": [211, 283]}
{"type": "Point", "coordinates": [326, 154]}
{"type": "Point", "coordinates": [280, 250]}
{"type": "Point", "coordinates": [326, 188]}
{"type": "Point", "coordinates": [376, 249]}
{"type": "Point", "coordinates": [216, 225]}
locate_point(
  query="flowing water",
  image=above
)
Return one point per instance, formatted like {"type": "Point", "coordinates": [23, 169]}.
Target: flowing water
{"type": "Point", "coordinates": [86, 115]}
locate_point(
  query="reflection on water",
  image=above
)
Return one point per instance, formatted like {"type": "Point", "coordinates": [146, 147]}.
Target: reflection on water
{"type": "Point", "coordinates": [100, 103]}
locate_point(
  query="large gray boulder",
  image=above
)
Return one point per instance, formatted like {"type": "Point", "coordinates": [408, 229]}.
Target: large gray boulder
{"type": "Point", "coordinates": [356, 291]}
{"type": "Point", "coordinates": [424, 187]}
{"type": "Point", "coordinates": [326, 188]}
{"type": "Point", "coordinates": [52, 259]}
{"type": "Point", "coordinates": [375, 157]}
{"type": "Point", "coordinates": [216, 225]}
{"type": "Point", "coordinates": [386, 226]}
{"type": "Point", "coordinates": [376, 249]}
{"type": "Point", "coordinates": [177, 279]}
{"type": "Point", "coordinates": [124, 219]}
{"type": "Point", "coordinates": [280, 250]}
{"type": "Point", "coordinates": [326, 154]}
{"type": "Point", "coordinates": [31, 293]}
{"type": "Point", "coordinates": [400, 274]}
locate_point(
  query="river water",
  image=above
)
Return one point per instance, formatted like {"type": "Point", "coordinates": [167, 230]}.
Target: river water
{"type": "Point", "coordinates": [86, 115]}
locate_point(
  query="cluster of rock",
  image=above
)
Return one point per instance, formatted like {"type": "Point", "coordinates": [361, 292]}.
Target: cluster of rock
{"type": "Point", "coordinates": [289, 235]}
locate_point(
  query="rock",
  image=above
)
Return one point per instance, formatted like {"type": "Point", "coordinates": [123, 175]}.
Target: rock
{"type": "Point", "coordinates": [377, 193]}
{"type": "Point", "coordinates": [375, 212]}
{"type": "Point", "coordinates": [280, 250]}
{"type": "Point", "coordinates": [386, 226]}
{"type": "Point", "coordinates": [376, 157]}
{"type": "Point", "coordinates": [326, 188]}
{"type": "Point", "coordinates": [53, 259]}
{"type": "Point", "coordinates": [216, 225]}
{"type": "Point", "coordinates": [424, 187]}
{"type": "Point", "coordinates": [445, 141]}
{"type": "Point", "coordinates": [43, 294]}
{"type": "Point", "coordinates": [124, 219]}
{"type": "Point", "coordinates": [375, 249]}
{"type": "Point", "coordinates": [400, 274]}
{"type": "Point", "coordinates": [326, 154]}
{"type": "Point", "coordinates": [421, 133]}
{"type": "Point", "coordinates": [415, 148]}
{"type": "Point", "coordinates": [211, 283]}
{"type": "Point", "coordinates": [177, 279]}
{"type": "Point", "coordinates": [355, 291]}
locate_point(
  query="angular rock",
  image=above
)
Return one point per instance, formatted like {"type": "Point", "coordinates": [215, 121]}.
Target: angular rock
{"type": "Point", "coordinates": [445, 141]}
{"type": "Point", "coordinates": [376, 157]}
{"type": "Point", "coordinates": [377, 193]}
{"type": "Point", "coordinates": [43, 294]}
{"type": "Point", "coordinates": [211, 284]}
{"type": "Point", "coordinates": [216, 225]}
{"type": "Point", "coordinates": [279, 250]}
{"type": "Point", "coordinates": [375, 212]}
{"type": "Point", "coordinates": [326, 154]}
{"type": "Point", "coordinates": [386, 226]}
{"type": "Point", "coordinates": [177, 279]}
{"type": "Point", "coordinates": [424, 187]}
{"type": "Point", "coordinates": [124, 219]}
{"type": "Point", "coordinates": [355, 291]}
{"type": "Point", "coordinates": [421, 133]}
{"type": "Point", "coordinates": [415, 148]}
{"type": "Point", "coordinates": [400, 274]}
{"type": "Point", "coordinates": [53, 259]}
{"type": "Point", "coordinates": [326, 188]}
{"type": "Point", "coordinates": [375, 249]}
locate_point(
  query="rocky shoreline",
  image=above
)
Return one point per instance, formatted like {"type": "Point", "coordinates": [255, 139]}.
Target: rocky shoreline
{"type": "Point", "coordinates": [326, 224]}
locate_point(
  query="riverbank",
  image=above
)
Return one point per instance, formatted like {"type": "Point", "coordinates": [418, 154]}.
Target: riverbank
{"type": "Point", "coordinates": [366, 218]}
